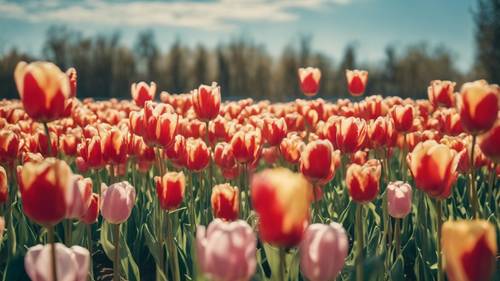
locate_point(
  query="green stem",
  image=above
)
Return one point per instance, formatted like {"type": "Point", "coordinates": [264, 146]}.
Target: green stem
{"type": "Point", "coordinates": [161, 265]}
{"type": "Point", "coordinates": [191, 208]}
{"type": "Point", "coordinates": [89, 246]}
{"type": "Point", "coordinates": [282, 264]}
{"type": "Point", "coordinates": [49, 143]}
{"type": "Point", "coordinates": [174, 262]}
{"type": "Point", "coordinates": [68, 232]}
{"type": "Point", "coordinates": [475, 205]}
{"type": "Point", "coordinates": [397, 236]}
{"type": "Point", "coordinates": [359, 242]}
{"type": "Point", "coordinates": [116, 260]}
{"type": "Point", "coordinates": [51, 238]}
{"type": "Point", "coordinates": [439, 219]}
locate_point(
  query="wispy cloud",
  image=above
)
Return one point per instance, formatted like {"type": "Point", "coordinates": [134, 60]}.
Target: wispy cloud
{"type": "Point", "coordinates": [211, 15]}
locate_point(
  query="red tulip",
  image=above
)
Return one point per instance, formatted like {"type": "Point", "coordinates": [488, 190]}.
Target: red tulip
{"type": "Point", "coordinates": [281, 198]}
{"type": "Point", "coordinates": [115, 147]}
{"type": "Point", "coordinates": [142, 92]}
{"type": "Point", "coordinates": [9, 146]}
{"type": "Point", "coordinates": [434, 168]}
{"type": "Point", "coordinates": [363, 181]}
{"type": "Point", "coordinates": [91, 214]}
{"type": "Point", "coordinates": [403, 117]}
{"type": "Point", "coordinates": [377, 132]}
{"type": "Point", "coordinates": [478, 104]}
{"type": "Point", "coordinates": [223, 155]}
{"type": "Point", "coordinates": [309, 80]}
{"type": "Point", "coordinates": [166, 129]}
{"type": "Point", "coordinates": [291, 148]}
{"type": "Point", "coordinates": [69, 144]}
{"type": "Point", "coordinates": [44, 184]}
{"type": "Point", "coordinates": [177, 151]}
{"type": "Point", "coordinates": [351, 134]}
{"type": "Point", "coordinates": [247, 144]}
{"type": "Point", "coordinates": [90, 150]}
{"type": "Point", "coordinates": [206, 101]}
{"type": "Point", "coordinates": [198, 154]}
{"type": "Point", "coordinates": [44, 90]}
{"type": "Point", "coordinates": [274, 130]}
{"type": "Point", "coordinates": [489, 142]}
{"type": "Point", "coordinates": [225, 202]}
{"type": "Point", "coordinates": [170, 190]}
{"type": "Point", "coordinates": [317, 162]}
{"type": "Point", "coordinates": [441, 93]}
{"type": "Point", "coordinates": [4, 191]}
{"type": "Point", "coordinates": [356, 81]}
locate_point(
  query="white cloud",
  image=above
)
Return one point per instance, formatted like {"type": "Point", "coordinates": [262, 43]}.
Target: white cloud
{"type": "Point", "coordinates": [214, 15]}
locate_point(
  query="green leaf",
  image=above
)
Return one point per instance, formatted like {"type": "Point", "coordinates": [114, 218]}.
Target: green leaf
{"type": "Point", "coordinates": [397, 269]}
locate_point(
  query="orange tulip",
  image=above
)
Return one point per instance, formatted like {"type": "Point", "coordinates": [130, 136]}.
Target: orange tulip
{"type": "Point", "coordinates": [434, 168]}
{"type": "Point", "coordinates": [69, 144]}
{"type": "Point", "coordinates": [206, 101]}
{"type": "Point", "coordinates": [363, 181]}
{"type": "Point", "coordinates": [142, 92]}
{"type": "Point", "coordinates": [489, 142]}
{"type": "Point", "coordinates": [198, 154]}
{"type": "Point", "coordinates": [317, 161]}
{"type": "Point", "coordinates": [478, 105]}
{"type": "Point", "coordinates": [44, 184]}
{"type": "Point", "coordinates": [403, 116]}
{"type": "Point", "coordinates": [4, 191]}
{"type": "Point", "coordinates": [225, 202]}
{"type": "Point", "coordinates": [44, 90]}
{"type": "Point", "coordinates": [309, 80]}
{"type": "Point", "coordinates": [440, 93]}
{"type": "Point", "coordinates": [351, 134]}
{"type": "Point", "coordinates": [469, 250]}
{"type": "Point", "coordinates": [356, 81]}
{"type": "Point", "coordinates": [170, 190]}
{"type": "Point", "coordinates": [289, 194]}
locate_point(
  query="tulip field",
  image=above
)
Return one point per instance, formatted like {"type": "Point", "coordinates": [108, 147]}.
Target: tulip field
{"type": "Point", "coordinates": [190, 187]}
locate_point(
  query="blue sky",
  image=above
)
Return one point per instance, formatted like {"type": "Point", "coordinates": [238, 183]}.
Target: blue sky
{"type": "Point", "coordinates": [370, 24]}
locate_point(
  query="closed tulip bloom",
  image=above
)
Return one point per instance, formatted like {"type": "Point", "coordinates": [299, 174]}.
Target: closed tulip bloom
{"type": "Point", "coordinates": [356, 81]}
{"type": "Point", "coordinates": [206, 101]}
{"type": "Point", "coordinates": [403, 116]}
{"type": "Point", "coordinates": [91, 214]}
{"type": "Point", "coordinates": [226, 251]}
{"type": "Point", "coordinates": [44, 90]}
{"type": "Point", "coordinates": [434, 168]}
{"type": "Point", "coordinates": [363, 181]}
{"type": "Point", "coordinates": [441, 93]}
{"type": "Point", "coordinates": [323, 251]}
{"type": "Point", "coordinates": [78, 197]}
{"type": "Point", "coordinates": [177, 151]}
{"type": "Point", "coordinates": [44, 184]}
{"type": "Point", "coordinates": [166, 129]}
{"type": "Point", "coordinates": [399, 199]}
{"type": "Point", "coordinates": [4, 192]}
{"type": "Point", "coordinates": [274, 130]}
{"type": "Point", "coordinates": [117, 202]}
{"type": "Point", "coordinates": [377, 132]}
{"type": "Point", "coordinates": [72, 263]}
{"type": "Point", "coordinates": [290, 195]}
{"type": "Point", "coordinates": [198, 154]}
{"type": "Point", "coordinates": [69, 144]}
{"type": "Point", "coordinates": [115, 146]}
{"type": "Point", "coordinates": [309, 80]}
{"type": "Point", "coordinates": [9, 146]}
{"type": "Point", "coordinates": [247, 144]}
{"type": "Point", "coordinates": [223, 155]}
{"type": "Point", "coordinates": [72, 77]}
{"type": "Point", "coordinates": [478, 105]}
{"type": "Point", "coordinates": [317, 161]}
{"type": "Point", "coordinates": [225, 202]}
{"type": "Point", "coordinates": [469, 250]}
{"type": "Point", "coordinates": [142, 92]}
{"type": "Point", "coordinates": [351, 134]}
{"type": "Point", "coordinates": [170, 190]}
{"type": "Point", "coordinates": [90, 150]}
{"type": "Point", "coordinates": [489, 142]}
{"type": "Point", "coordinates": [291, 148]}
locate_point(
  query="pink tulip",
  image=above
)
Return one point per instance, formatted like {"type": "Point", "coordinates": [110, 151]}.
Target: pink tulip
{"type": "Point", "coordinates": [78, 197]}
{"type": "Point", "coordinates": [226, 251]}
{"type": "Point", "coordinates": [323, 251]}
{"type": "Point", "coordinates": [72, 263]}
{"type": "Point", "coordinates": [117, 202]}
{"type": "Point", "coordinates": [399, 199]}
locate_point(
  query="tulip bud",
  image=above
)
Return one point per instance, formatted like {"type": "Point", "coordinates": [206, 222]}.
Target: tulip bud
{"type": "Point", "coordinates": [117, 202]}
{"type": "Point", "coordinates": [78, 197]}
{"type": "Point", "coordinates": [72, 263]}
{"type": "Point", "coordinates": [289, 194]}
{"type": "Point", "coordinates": [356, 81]}
{"type": "Point", "coordinates": [403, 117]}
{"type": "Point", "coordinates": [232, 244]}
{"type": "Point", "coordinates": [323, 251]}
{"type": "Point", "coordinates": [4, 191]}
{"type": "Point", "coordinates": [478, 105]}
{"type": "Point", "coordinates": [142, 92]}
{"type": "Point", "coordinates": [399, 199]}
{"type": "Point", "coordinates": [469, 250]}
{"type": "Point", "coordinates": [489, 142]}
{"type": "Point", "coordinates": [198, 154]}
{"type": "Point", "coordinates": [363, 181]}
{"type": "Point", "coordinates": [309, 80]}
{"type": "Point", "coordinates": [206, 101]}
{"type": "Point", "coordinates": [170, 190]}
{"type": "Point", "coordinates": [92, 212]}
{"type": "Point", "coordinates": [44, 184]}
{"type": "Point", "coordinates": [317, 161]}
{"type": "Point", "coordinates": [44, 90]}
{"type": "Point", "coordinates": [441, 93]}
{"type": "Point", "coordinates": [225, 202]}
